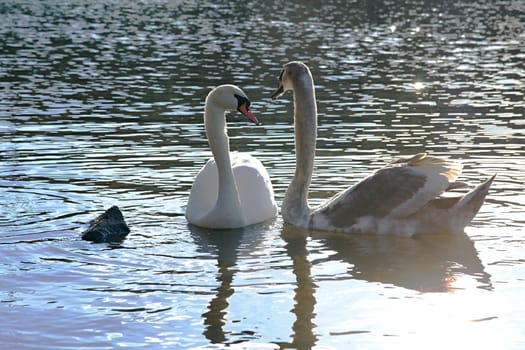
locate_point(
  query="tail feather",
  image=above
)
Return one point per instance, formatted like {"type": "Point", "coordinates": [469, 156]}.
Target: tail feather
{"type": "Point", "coordinates": [469, 205]}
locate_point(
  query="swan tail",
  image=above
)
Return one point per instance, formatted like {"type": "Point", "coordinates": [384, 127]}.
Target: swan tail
{"type": "Point", "coordinates": [467, 208]}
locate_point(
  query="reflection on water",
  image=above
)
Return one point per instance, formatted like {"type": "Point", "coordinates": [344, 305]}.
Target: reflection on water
{"type": "Point", "coordinates": [101, 103]}
{"type": "Point", "coordinates": [303, 336]}
{"type": "Point", "coordinates": [225, 246]}
{"type": "Point", "coordinates": [427, 263]}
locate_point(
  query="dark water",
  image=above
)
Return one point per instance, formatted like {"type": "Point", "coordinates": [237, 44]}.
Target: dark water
{"type": "Point", "coordinates": [101, 103]}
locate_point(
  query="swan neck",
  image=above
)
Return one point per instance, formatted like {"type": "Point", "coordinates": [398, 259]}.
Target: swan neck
{"type": "Point", "coordinates": [217, 134]}
{"type": "Point", "coordinates": [295, 205]}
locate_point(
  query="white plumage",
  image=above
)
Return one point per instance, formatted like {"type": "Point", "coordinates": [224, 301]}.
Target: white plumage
{"type": "Point", "coordinates": [231, 190]}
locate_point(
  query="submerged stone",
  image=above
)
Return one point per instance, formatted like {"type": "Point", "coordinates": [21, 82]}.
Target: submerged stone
{"type": "Point", "coordinates": [107, 227]}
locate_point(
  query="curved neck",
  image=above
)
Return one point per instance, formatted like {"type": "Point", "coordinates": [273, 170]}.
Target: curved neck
{"type": "Point", "coordinates": [295, 205]}
{"type": "Point", "coordinates": [215, 124]}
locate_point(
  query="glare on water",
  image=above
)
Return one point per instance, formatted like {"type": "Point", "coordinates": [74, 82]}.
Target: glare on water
{"type": "Point", "coordinates": [101, 104]}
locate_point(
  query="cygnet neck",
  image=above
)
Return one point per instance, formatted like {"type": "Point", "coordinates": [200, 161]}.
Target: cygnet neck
{"type": "Point", "coordinates": [295, 205]}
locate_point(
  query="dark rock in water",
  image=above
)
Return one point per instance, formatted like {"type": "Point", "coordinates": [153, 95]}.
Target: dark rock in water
{"type": "Point", "coordinates": [108, 227]}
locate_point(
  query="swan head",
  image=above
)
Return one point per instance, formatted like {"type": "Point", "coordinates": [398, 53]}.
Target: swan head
{"type": "Point", "coordinates": [291, 72]}
{"type": "Point", "coordinates": [231, 98]}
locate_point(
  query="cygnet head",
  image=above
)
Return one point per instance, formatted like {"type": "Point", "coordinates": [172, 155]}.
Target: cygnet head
{"type": "Point", "coordinates": [291, 73]}
{"type": "Point", "coordinates": [230, 98]}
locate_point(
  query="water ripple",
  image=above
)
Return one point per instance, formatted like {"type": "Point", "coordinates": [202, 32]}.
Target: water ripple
{"type": "Point", "coordinates": [102, 104]}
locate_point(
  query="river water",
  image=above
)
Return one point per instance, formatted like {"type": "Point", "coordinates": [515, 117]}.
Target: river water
{"type": "Point", "coordinates": [101, 104]}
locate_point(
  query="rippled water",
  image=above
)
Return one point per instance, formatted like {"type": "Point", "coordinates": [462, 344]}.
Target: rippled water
{"type": "Point", "coordinates": [101, 103]}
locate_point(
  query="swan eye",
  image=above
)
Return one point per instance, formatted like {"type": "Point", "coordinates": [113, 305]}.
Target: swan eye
{"type": "Point", "coordinates": [281, 75]}
{"type": "Point", "coordinates": [241, 100]}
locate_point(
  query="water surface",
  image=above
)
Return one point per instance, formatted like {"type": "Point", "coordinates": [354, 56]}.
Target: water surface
{"type": "Point", "coordinates": [101, 104]}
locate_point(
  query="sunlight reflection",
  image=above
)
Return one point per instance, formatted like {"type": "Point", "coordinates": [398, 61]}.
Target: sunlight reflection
{"type": "Point", "coordinates": [418, 86]}
{"type": "Point", "coordinates": [440, 320]}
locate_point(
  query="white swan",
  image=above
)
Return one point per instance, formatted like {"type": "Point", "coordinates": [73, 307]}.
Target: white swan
{"type": "Point", "coordinates": [402, 198]}
{"type": "Point", "coordinates": [230, 191]}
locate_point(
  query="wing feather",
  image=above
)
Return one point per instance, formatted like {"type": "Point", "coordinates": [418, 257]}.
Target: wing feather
{"type": "Point", "coordinates": [397, 190]}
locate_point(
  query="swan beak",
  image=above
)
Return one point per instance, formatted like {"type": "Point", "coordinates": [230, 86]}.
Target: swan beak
{"type": "Point", "coordinates": [277, 93]}
{"type": "Point", "coordinates": [248, 114]}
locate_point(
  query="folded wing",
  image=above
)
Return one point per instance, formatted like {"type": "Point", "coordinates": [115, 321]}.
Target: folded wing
{"type": "Point", "coordinates": [398, 190]}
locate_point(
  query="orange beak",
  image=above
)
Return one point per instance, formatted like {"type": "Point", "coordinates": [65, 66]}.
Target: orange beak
{"type": "Point", "coordinates": [245, 110]}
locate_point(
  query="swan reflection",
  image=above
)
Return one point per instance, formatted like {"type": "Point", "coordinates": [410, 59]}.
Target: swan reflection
{"type": "Point", "coordinates": [228, 246]}
{"type": "Point", "coordinates": [303, 336]}
{"type": "Point", "coordinates": [426, 263]}
{"type": "Point", "coordinates": [429, 263]}
{"type": "Point", "coordinates": [225, 245]}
